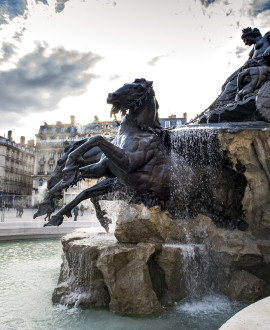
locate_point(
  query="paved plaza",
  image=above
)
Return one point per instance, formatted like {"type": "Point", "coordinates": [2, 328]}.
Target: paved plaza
{"type": "Point", "coordinates": [14, 227]}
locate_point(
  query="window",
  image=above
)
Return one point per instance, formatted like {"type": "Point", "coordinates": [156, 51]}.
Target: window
{"type": "Point", "coordinates": [41, 168]}
{"type": "Point", "coordinates": [50, 167]}
{"type": "Point", "coordinates": [43, 141]}
{"type": "Point", "coordinates": [71, 139]}
{"type": "Point", "coordinates": [167, 123]}
{"type": "Point", "coordinates": [62, 140]}
{"type": "Point", "coordinates": [178, 123]}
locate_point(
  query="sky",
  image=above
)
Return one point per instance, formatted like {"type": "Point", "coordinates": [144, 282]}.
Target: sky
{"type": "Point", "coordinates": [62, 57]}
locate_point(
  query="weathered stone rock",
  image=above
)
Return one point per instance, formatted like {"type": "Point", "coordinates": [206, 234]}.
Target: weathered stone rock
{"type": "Point", "coordinates": [80, 281]}
{"type": "Point", "coordinates": [187, 271]}
{"type": "Point", "coordinates": [246, 287]}
{"type": "Point", "coordinates": [126, 274]}
{"type": "Point", "coordinates": [137, 223]}
{"type": "Point", "coordinates": [250, 149]}
{"type": "Point", "coordinates": [232, 251]}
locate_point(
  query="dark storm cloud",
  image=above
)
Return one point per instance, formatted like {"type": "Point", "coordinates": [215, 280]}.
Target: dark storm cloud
{"type": "Point", "coordinates": [261, 7]}
{"type": "Point", "coordinates": [60, 5]}
{"type": "Point", "coordinates": [12, 9]}
{"type": "Point", "coordinates": [40, 81]}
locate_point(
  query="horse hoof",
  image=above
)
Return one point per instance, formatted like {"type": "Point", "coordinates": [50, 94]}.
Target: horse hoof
{"type": "Point", "coordinates": [56, 220]}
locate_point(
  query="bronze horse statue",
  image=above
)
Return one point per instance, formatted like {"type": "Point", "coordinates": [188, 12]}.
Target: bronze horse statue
{"type": "Point", "coordinates": [138, 163]}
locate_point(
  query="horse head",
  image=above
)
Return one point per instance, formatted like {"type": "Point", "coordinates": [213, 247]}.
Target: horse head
{"type": "Point", "coordinates": [139, 99]}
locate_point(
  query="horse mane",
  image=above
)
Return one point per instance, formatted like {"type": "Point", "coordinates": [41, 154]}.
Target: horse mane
{"type": "Point", "coordinates": [148, 96]}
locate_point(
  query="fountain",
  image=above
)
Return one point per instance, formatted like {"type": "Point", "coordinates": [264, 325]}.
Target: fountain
{"type": "Point", "coordinates": [196, 218]}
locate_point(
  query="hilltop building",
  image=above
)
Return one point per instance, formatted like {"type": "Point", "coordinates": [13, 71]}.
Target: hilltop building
{"type": "Point", "coordinates": [16, 169]}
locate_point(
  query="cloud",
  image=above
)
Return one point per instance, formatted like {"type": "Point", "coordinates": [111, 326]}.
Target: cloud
{"type": "Point", "coordinates": [155, 60]}
{"type": "Point", "coordinates": [114, 76]}
{"type": "Point", "coordinates": [60, 5]}
{"type": "Point", "coordinates": [10, 9]}
{"type": "Point", "coordinates": [40, 81]}
{"type": "Point", "coordinates": [43, 1]}
{"type": "Point", "coordinates": [239, 51]}
{"type": "Point", "coordinates": [7, 51]}
{"type": "Point", "coordinates": [260, 6]}
{"type": "Point", "coordinates": [206, 3]}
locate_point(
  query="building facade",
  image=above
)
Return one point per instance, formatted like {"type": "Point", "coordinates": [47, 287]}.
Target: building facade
{"type": "Point", "coordinates": [173, 121]}
{"type": "Point", "coordinates": [51, 141]}
{"type": "Point", "coordinates": [16, 169]}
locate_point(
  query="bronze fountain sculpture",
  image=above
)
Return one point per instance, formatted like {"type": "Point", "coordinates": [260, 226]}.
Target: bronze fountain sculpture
{"type": "Point", "coordinates": [242, 97]}
{"type": "Point", "coordinates": [215, 169]}
{"type": "Point", "coordinates": [137, 162]}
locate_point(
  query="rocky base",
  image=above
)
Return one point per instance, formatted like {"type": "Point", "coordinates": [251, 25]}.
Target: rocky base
{"type": "Point", "coordinates": [143, 274]}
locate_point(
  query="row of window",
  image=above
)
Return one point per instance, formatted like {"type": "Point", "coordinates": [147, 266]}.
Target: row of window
{"type": "Point", "coordinates": [19, 155]}
{"type": "Point", "coordinates": [61, 140]}
{"type": "Point", "coordinates": [19, 166]}
{"type": "Point", "coordinates": [71, 129]}
{"type": "Point", "coordinates": [51, 155]}
{"type": "Point", "coordinates": [168, 123]}
{"type": "Point", "coordinates": [42, 168]}
{"type": "Point", "coordinates": [15, 179]}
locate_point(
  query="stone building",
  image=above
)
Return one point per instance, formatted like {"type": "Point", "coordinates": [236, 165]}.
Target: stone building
{"type": "Point", "coordinates": [16, 169]}
{"type": "Point", "coordinates": [51, 141]}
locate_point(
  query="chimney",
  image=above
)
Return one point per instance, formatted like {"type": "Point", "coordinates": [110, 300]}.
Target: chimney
{"type": "Point", "coordinates": [10, 135]}
{"type": "Point", "coordinates": [172, 116]}
{"type": "Point", "coordinates": [22, 140]}
{"type": "Point", "coordinates": [185, 115]}
{"type": "Point", "coordinates": [31, 143]}
{"type": "Point", "coordinates": [72, 120]}
{"type": "Point", "coordinates": [58, 123]}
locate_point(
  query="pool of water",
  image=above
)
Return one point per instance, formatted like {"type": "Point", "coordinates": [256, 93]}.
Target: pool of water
{"type": "Point", "coordinates": [29, 273]}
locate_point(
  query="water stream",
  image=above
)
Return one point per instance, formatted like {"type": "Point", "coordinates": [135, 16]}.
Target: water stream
{"type": "Point", "coordinates": [29, 273]}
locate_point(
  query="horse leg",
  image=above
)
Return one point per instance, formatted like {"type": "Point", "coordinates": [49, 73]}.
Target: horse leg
{"type": "Point", "coordinates": [99, 212]}
{"type": "Point", "coordinates": [47, 205]}
{"type": "Point", "coordinates": [100, 188]}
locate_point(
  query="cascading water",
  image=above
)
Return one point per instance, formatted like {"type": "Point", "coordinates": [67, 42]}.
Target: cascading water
{"type": "Point", "coordinates": [191, 151]}
{"type": "Point", "coordinates": [203, 178]}
{"type": "Point", "coordinates": [195, 278]}
{"type": "Point", "coordinates": [77, 271]}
